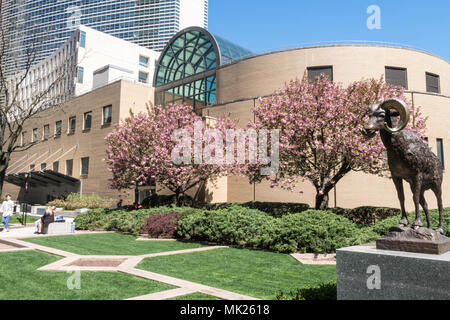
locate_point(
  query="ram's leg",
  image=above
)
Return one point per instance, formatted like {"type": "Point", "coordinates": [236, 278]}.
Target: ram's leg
{"type": "Point", "coordinates": [416, 187]}
{"type": "Point", "coordinates": [424, 205]}
{"type": "Point", "coordinates": [401, 197]}
{"type": "Point", "coordinates": [438, 192]}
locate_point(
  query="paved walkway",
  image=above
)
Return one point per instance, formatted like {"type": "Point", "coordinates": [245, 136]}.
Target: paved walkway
{"type": "Point", "coordinates": [10, 241]}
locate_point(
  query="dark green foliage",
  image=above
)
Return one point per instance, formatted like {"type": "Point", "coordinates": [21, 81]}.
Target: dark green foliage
{"type": "Point", "coordinates": [366, 216]}
{"type": "Point", "coordinates": [382, 227]}
{"type": "Point", "coordinates": [325, 291]}
{"type": "Point", "coordinates": [122, 220]}
{"type": "Point", "coordinates": [156, 200]}
{"type": "Point", "coordinates": [275, 209]}
{"type": "Point", "coordinates": [308, 231]}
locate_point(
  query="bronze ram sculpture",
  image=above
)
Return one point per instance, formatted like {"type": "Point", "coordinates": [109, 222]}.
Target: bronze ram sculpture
{"type": "Point", "coordinates": [409, 158]}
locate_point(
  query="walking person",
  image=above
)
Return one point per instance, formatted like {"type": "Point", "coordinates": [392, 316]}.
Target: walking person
{"type": "Point", "coordinates": [7, 208]}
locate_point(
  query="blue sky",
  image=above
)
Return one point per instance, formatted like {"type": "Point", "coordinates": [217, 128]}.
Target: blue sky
{"type": "Point", "coordinates": [267, 25]}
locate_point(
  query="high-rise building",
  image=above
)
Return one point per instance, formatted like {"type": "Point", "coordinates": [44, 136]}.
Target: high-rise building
{"type": "Point", "coordinates": [89, 59]}
{"type": "Point", "coordinates": [47, 24]}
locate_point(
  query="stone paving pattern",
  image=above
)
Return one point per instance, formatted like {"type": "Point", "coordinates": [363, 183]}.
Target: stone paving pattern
{"type": "Point", "coordinates": [10, 241]}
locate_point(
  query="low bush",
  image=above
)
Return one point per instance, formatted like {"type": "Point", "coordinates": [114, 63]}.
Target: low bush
{"type": "Point", "coordinates": [275, 209]}
{"type": "Point", "coordinates": [161, 225]}
{"type": "Point", "coordinates": [325, 291]}
{"type": "Point", "coordinates": [123, 220]}
{"type": "Point", "coordinates": [76, 201]}
{"type": "Point", "coordinates": [367, 216]}
{"type": "Point", "coordinates": [308, 231]}
{"type": "Point", "coordinates": [382, 227]}
{"type": "Point", "coordinates": [157, 200]}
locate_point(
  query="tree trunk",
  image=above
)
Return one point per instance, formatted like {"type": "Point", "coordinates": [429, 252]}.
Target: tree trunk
{"type": "Point", "coordinates": [2, 177]}
{"type": "Point", "coordinates": [178, 199]}
{"type": "Point", "coordinates": [321, 201]}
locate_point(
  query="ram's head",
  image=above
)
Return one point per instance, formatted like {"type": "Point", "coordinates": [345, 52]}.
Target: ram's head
{"type": "Point", "coordinates": [382, 118]}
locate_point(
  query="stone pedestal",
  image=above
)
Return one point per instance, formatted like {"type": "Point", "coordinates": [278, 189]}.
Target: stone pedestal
{"type": "Point", "coordinates": [367, 273]}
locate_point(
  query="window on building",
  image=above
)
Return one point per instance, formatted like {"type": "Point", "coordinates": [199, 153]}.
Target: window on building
{"type": "Point", "coordinates": [35, 134]}
{"type": "Point", "coordinates": [72, 124]}
{"type": "Point", "coordinates": [314, 72]}
{"type": "Point", "coordinates": [69, 167]}
{"type": "Point", "coordinates": [440, 151]}
{"type": "Point", "coordinates": [43, 166]}
{"type": "Point", "coordinates": [143, 77]}
{"type": "Point", "coordinates": [143, 61]}
{"type": "Point", "coordinates": [107, 115]}
{"type": "Point", "coordinates": [80, 74]}
{"type": "Point", "coordinates": [56, 166]}
{"type": "Point", "coordinates": [32, 166]}
{"type": "Point", "coordinates": [46, 131]}
{"type": "Point", "coordinates": [58, 128]}
{"type": "Point", "coordinates": [83, 39]}
{"type": "Point", "coordinates": [432, 83]}
{"type": "Point", "coordinates": [396, 76]}
{"type": "Point", "coordinates": [87, 120]}
{"type": "Point", "coordinates": [85, 166]}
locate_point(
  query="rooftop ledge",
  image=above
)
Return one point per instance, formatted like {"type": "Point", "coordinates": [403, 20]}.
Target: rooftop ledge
{"type": "Point", "coordinates": [339, 43]}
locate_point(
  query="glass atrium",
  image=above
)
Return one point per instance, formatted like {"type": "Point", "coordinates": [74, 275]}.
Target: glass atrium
{"type": "Point", "coordinates": [186, 70]}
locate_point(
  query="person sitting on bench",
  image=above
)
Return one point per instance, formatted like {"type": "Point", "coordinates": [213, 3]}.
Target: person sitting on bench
{"type": "Point", "coordinates": [46, 219]}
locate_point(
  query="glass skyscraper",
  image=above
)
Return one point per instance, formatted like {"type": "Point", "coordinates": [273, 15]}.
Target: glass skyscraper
{"type": "Point", "coordinates": [47, 24]}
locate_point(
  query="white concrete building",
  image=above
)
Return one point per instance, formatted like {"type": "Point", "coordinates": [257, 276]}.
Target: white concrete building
{"type": "Point", "coordinates": [88, 60]}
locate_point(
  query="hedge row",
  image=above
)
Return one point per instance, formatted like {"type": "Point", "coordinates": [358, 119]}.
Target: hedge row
{"type": "Point", "coordinates": [76, 201]}
{"type": "Point", "coordinates": [308, 231]}
{"type": "Point", "coordinates": [122, 220]}
{"type": "Point", "coordinates": [367, 216]}
{"type": "Point", "coordinates": [274, 209]}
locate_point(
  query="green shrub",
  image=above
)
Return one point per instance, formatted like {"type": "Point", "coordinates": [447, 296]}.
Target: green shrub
{"type": "Point", "coordinates": [382, 227]}
{"type": "Point", "coordinates": [308, 231]}
{"type": "Point", "coordinates": [319, 232]}
{"type": "Point", "coordinates": [325, 291]}
{"type": "Point", "coordinates": [123, 220]}
{"type": "Point", "coordinates": [275, 209]}
{"type": "Point", "coordinates": [76, 201]}
{"type": "Point", "coordinates": [156, 200]}
{"type": "Point", "coordinates": [367, 216]}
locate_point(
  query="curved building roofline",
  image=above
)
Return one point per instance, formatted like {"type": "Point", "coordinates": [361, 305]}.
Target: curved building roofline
{"type": "Point", "coordinates": [180, 33]}
{"type": "Point", "coordinates": [226, 51]}
{"type": "Point", "coordinates": [356, 43]}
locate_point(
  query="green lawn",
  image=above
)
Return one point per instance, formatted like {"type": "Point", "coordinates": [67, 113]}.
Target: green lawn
{"type": "Point", "coordinates": [18, 219]}
{"type": "Point", "coordinates": [255, 273]}
{"type": "Point", "coordinates": [110, 244]}
{"type": "Point", "coordinates": [20, 280]}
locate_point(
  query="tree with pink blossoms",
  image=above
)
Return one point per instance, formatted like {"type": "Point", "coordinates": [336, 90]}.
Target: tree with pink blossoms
{"type": "Point", "coordinates": [320, 126]}
{"type": "Point", "coordinates": [140, 150]}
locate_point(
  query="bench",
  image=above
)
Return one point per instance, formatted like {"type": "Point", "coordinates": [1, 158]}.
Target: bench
{"type": "Point", "coordinates": [59, 227]}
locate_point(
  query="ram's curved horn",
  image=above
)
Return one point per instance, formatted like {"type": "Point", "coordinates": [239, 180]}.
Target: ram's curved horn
{"type": "Point", "coordinates": [402, 109]}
